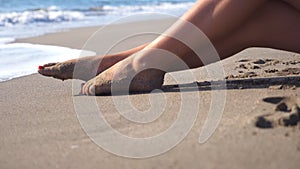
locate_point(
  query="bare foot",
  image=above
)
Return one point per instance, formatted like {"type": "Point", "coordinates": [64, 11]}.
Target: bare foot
{"type": "Point", "coordinates": [123, 77]}
{"type": "Point", "coordinates": [86, 68]}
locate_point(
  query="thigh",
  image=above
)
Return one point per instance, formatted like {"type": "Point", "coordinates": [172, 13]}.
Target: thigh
{"type": "Point", "coordinates": [275, 25]}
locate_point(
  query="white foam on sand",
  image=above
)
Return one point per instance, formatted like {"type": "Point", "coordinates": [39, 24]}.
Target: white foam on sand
{"type": "Point", "coordinates": [20, 59]}
{"type": "Point", "coordinates": [6, 40]}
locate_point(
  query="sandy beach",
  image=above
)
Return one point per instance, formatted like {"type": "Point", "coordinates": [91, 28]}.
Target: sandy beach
{"type": "Point", "coordinates": [259, 128]}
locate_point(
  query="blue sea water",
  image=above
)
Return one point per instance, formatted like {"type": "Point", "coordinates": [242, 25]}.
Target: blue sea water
{"type": "Point", "coordinates": [26, 18]}
{"type": "Point", "coordinates": [23, 18]}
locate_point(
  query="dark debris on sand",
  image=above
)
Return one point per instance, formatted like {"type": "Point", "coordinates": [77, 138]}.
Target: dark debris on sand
{"type": "Point", "coordinates": [286, 113]}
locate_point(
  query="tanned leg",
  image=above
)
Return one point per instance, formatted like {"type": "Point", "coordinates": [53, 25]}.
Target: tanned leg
{"type": "Point", "coordinates": [215, 18]}
{"type": "Point", "coordinates": [208, 16]}
{"type": "Point", "coordinates": [231, 25]}
{"type": "Point", "coordinates": [275, 25]}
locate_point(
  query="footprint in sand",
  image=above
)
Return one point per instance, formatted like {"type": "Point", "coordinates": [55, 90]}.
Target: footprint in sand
{"type": "Point", "coordinates": [248, 68]}
{"type": "Point", "coordinates": [242, 75]}
{"type": "Point", "coordinates": [251, 65]}
{"type": "Point", "coordinates": [287, 113]}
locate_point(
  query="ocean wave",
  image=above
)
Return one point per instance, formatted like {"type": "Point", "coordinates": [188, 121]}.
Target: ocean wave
{"type": "Point", "coordinates": [54, 14]}
{"type": "Point", "coordinates": [165, 7]}
{"type": "Point", "coordinates": [51, 14]}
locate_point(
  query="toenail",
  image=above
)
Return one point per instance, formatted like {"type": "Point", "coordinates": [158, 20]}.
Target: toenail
{"type": "Point", "coordinates": [41, 67]}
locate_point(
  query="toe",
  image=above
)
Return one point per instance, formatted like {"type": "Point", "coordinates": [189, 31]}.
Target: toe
{"type": "Point", "coordinates": [85, 88]}
{"type": "Point", "coordinates": [48, 71]}
{"type": "Point", "coordinates": [88, 88]}
{"type": "Point", "coordinates": [49, 64]}
{"type": "Point", "coordinates": [91, 90]}
{"type": "Point", "coordinates": [57, 70]}
{"type": "Point", "coordinates": [81, 90]}
{"type": "Point", "coordinates": [45, 68]}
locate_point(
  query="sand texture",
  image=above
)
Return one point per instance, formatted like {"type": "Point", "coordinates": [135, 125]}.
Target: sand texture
{"type": "Point", "coordinates": [260, 126]}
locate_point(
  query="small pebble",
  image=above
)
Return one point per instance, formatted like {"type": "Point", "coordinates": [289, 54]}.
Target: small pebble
{"type": "Point", "coordinates": [276, 87]}
{"type": "Point", "coordinates": [260, 61]}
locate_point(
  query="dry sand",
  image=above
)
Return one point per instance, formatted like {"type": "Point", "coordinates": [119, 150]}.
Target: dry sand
{"type": "Point", "coordinates": [39, 128]}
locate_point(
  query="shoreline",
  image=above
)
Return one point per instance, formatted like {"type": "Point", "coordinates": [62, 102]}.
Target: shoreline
{"type": "Point", "coordinates": [83, 33]}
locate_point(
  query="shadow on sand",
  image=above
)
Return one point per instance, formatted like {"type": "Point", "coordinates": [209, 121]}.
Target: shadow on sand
{"type": "Point", "coordinates": [252, 83]}
{"type": "Point", "coordinates": [255, 83]}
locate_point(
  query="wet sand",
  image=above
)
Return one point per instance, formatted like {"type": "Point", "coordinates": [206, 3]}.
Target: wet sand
{"type": "Point", "coordinates": [260, 125]}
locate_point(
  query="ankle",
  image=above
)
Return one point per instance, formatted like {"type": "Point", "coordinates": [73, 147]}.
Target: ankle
{"type": "Point", "coordinates": [139, 64]}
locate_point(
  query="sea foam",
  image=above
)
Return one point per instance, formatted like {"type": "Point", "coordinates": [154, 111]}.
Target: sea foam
{"type": "Point", "coordinates": [6, 40]}
{"type": "Point", "coordinates": [20, 59]}
{"type": "Point", "coordinates": [50, 14]}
